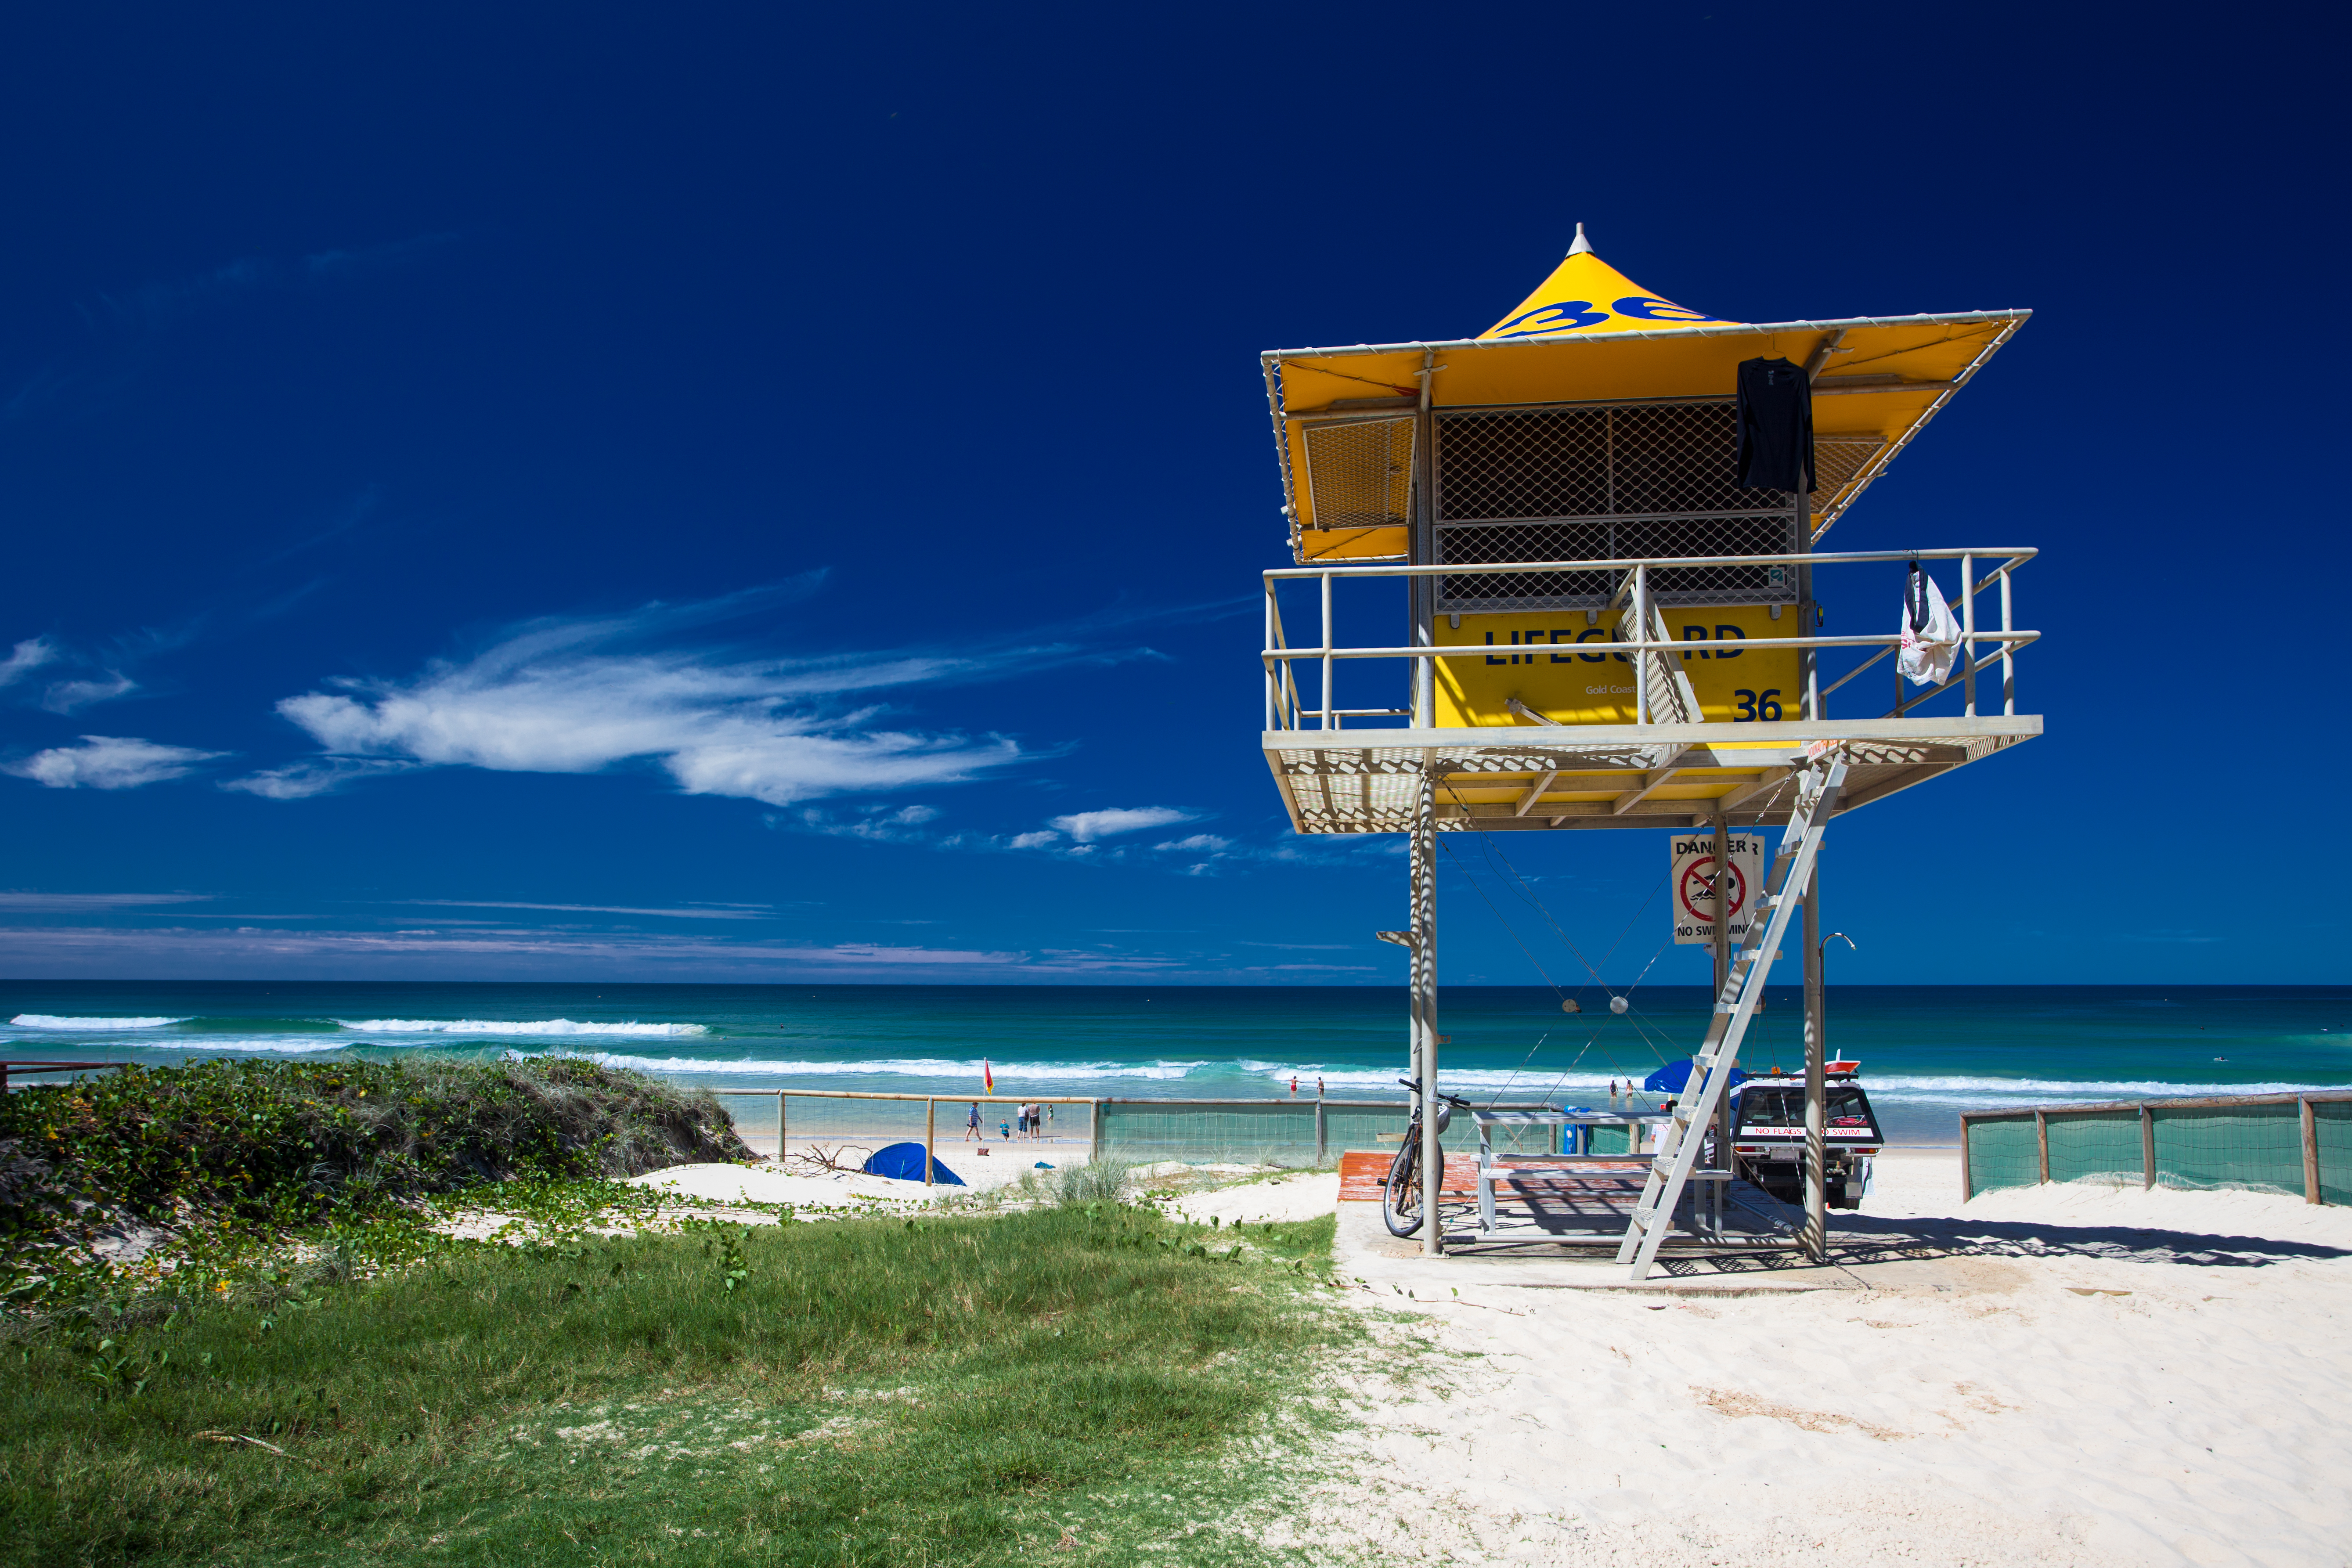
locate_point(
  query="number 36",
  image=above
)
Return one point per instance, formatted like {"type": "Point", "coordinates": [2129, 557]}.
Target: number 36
{"type": "Point", "coordinates": [1764, 705]}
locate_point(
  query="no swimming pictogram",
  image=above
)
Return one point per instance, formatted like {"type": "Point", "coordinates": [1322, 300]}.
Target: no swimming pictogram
{"type": "Point", "coordinates": [1697, 890]}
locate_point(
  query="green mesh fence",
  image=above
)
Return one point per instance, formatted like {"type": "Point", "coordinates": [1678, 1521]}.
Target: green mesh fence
{"type": "Point", "coordinates": [2003, 1152]}
{"type": "Point", "coordinates": [1609, 1139]}
{"type": "Point", "coordinates": [2332, 1121]}
{"type": "Point", "coordinates": [1347, 1127]}
{"type": "Point", "coordinates": [1282, 1132]}
{"type": "Point", "coordinates": [819, 1122]}
{"type": "Point", "coordinates": [1197, 1132]}
{"type": "Point", "coordinates": [2229, 1146]}
{"type": "Point", "coordinates": [2096, 1146]}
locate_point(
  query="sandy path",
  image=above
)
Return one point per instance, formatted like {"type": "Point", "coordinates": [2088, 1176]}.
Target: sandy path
{"type": "Point", "coordinates": [2077, 1376]}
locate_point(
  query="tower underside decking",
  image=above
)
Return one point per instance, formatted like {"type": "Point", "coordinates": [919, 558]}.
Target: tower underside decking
{"type": "Point", "coordinates": [1593, 777]}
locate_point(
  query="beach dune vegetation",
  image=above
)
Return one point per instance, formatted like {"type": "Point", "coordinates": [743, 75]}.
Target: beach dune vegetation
{"type": "Point", "coordinates": [959, 1389]}
{"type": "Point", "coordinates": [274, 1142]}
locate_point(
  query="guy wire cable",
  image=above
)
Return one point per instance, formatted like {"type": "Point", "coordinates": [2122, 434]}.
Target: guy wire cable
{"type": "Point", "coordinates": [1497, 914]}
{"type": "Point", "coordinates": [1527, 895]}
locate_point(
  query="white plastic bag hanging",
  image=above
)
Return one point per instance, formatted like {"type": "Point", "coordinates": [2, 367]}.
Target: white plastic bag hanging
{"type": "Point", "coordinates": [1931, 636]}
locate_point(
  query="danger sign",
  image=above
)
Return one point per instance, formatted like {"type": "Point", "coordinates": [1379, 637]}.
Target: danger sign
{"type": "Point", "coordinates": [1697, 886]}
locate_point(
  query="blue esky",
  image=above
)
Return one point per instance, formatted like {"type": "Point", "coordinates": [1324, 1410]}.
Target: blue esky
{"type": "Point", "coordinates": [745, 493]}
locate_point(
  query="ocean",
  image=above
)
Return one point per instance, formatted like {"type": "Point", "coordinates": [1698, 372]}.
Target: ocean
{"type": "Point", "coordinates": [1926, 1052]}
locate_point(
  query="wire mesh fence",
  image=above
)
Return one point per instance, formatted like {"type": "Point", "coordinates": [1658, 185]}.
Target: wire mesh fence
{"type": "Point", "coordinates": [2093, 1145]}
{"type": "Point", "coordinates": [1997, 1153]}
{"type": "Point", "coordinates": [2264, 1142]}
{"type": "Point", "coordinates": [2332, 1149]}
{"type": "Point", "coordinates": [1301, 1133]}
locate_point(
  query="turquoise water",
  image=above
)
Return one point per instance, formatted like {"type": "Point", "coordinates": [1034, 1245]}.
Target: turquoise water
{"type": "Point", "coordinates": [1926, 1052]}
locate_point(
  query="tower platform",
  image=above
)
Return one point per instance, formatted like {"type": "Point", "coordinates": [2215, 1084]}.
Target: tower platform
{"type": "Point", "coordinates": [1608, 776]}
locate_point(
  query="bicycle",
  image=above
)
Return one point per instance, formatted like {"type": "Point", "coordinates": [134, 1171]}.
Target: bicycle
{"type": "Point", "coordinates": [1401, 1194]}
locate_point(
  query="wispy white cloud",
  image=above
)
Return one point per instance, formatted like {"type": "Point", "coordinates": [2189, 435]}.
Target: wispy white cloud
{"type": "Point", "coordinates": [689, 913]}
{"type": "Point", "coordinates": [300, 780]}
{"type": "Point", "coordinates": [462, 948]}
{"type": "Point", "coordinates": [25, 658]}
{"type": "Point", "coordinates": [1087, 826]}
{"type": "Point", "coordinates": [579, 696]}
{"type": "Point", "coordinates": [109, 762]}
{"type": "Point", "coordinates": [66, 696]}
{"type": "Point", "coordinates": [93, 903]}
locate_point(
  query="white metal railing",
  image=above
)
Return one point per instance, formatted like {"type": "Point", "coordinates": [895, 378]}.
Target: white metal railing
{"type": "Point", "coordinates": [1285, 709]}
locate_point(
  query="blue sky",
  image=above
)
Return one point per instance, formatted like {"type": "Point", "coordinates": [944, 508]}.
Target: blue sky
{"type": "Point", "coordinates": [734, 492]}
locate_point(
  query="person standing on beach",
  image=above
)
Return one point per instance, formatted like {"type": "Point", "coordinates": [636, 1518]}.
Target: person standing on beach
{"type": "Point", "coordinates": [972, 1125]}
{"type": "Point", "coordinates": [1294, 1086]}
{"type": "Point", "coordinates": [1318, 1087]}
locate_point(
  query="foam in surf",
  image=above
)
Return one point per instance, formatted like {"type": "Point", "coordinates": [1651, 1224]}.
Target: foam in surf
{"type": "Point", "coordinates": [510, 1027]}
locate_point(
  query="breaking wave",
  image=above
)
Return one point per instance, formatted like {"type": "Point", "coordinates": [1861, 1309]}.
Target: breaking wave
{"type": "Point", "coordinates": [510, 1027]}
{"type": "Point", "coordinates": [87, 1025]}
{"type": "Point", "coordinates": [913, 1067]}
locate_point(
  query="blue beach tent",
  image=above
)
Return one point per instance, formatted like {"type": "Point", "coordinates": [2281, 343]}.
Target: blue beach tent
{"type": "Point", "coordinates": [1672, 1077]}
{"type": "Point", "coordinates": [904, 1163]}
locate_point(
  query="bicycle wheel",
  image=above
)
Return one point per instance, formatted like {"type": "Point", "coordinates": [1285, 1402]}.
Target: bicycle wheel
{"type": "Point", "coordinates": [1401, 1194]}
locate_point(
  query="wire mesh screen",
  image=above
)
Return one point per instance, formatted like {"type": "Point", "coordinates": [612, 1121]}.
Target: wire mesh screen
{"type": "Point", "coordinates": [1347, 1127]}
{"type": "Point", "coordinates": [1609, 1139]}
{"type": "Point", "coordinates": [2331, 1120]}
{"type": "Point", "coordinates": [1360, 474]}
{"type": "Point", "coordinates": [847, 1128]}
{"type": "Point", "coordinates": [2096, 1146]}
{"type": "Point", "coordinates": [1278, 1133]}
{"type": "Point", "coordinates": [2003, 1152]}
{"type": "Point", "coordinates": [2229, 1146]}
{"type": "Point", "coordinates": [1601, 482]}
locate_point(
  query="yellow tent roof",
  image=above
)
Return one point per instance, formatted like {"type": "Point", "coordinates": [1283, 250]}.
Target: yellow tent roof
{"type": "Point", "coordinates": [1589, 334]}
{"type": "Point", "coordinates": [1585, 294]}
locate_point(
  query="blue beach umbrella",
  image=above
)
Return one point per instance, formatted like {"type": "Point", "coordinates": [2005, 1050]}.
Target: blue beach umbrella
{"type": "Point", "coordinates": [1672, 1077]}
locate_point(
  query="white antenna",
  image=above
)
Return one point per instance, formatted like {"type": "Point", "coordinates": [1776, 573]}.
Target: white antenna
{"type": "Point", "coordinates": [1582, 246]}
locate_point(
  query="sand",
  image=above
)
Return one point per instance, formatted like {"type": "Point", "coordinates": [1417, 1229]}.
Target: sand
{"type": "Point", "coordinates": [2061, 1375]}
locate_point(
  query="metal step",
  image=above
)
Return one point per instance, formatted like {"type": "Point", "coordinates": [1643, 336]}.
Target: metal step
{"type": "Point", "coordinates": [1676, 1165]}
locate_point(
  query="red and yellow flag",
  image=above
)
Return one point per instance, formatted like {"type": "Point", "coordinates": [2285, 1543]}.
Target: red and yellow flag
{"type": "Point", "coordinates": [987, 1078]}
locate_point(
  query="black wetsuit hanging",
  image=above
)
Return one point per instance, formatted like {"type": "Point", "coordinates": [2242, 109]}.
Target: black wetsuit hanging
{"type": "Point", "coordinates": [1776, 427]}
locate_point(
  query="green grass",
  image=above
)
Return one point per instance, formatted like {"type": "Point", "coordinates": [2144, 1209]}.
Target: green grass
{"type": "Point", "coordinates": [938, 1391]}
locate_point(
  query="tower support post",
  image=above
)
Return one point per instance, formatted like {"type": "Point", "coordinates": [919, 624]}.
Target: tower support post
{"type": "Point", "coordinates": [1424, 1007]}
{"type": "Point", "coordinates": [1722, 950]}
{"type": "Point", "coordinates": [1817, 1121]}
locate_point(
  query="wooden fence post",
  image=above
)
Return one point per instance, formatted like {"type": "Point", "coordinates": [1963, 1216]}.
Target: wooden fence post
{"type": "Point", "coordinates": [1094, 1130]}
{"type": "Point", "coordinates": [930, 1138]}
{"type": "Point", "coordinates": [1968, 1178]}
{"type": "Point", "coordinates": [2311, 1193]}
{"type": "Point", "coordinates": [2041, 1143]}
{"type": "Point", "coordinates": [780, 1127]}
{"type": "Point", "coordinates": [1322, 1134]}
{"type": "Point", "coordinates": [2147, 1147]}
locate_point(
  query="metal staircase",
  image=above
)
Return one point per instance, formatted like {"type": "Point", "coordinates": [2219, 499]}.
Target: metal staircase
{"type": "Point", "coordinates": [1684, 1134]}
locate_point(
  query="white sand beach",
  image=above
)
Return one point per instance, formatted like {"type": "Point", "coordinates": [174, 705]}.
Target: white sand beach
{"type": "Point", "coordinates": [2061, 1375]}
{"type": "Point", "coordinates": [2075, 1374]}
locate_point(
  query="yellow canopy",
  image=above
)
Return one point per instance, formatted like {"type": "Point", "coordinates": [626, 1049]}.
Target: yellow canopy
{"type": "Point", "coordinates": [1585, 294]}
{"type": "Point", "coordinates": [1589, 334]}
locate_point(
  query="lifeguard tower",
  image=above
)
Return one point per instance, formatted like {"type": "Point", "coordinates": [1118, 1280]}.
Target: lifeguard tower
{"type": "Point", "coordinates": [1605, 627]}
